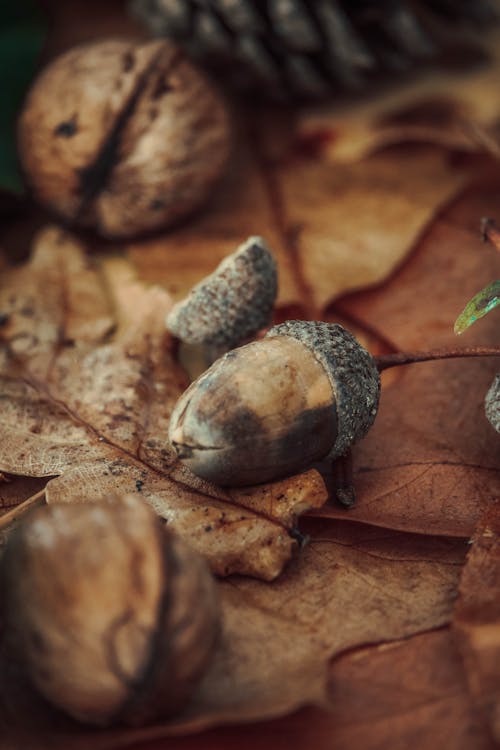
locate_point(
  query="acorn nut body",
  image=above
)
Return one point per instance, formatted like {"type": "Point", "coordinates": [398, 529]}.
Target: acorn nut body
{"type": "Point", "coordinates": [272, 407]}
{"type": "Point", "coordinates": [111, 616]}
{"type": "Point", "coordinates": [123, 137]}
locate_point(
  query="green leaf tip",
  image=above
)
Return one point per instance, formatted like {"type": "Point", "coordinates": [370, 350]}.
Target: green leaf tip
{"type": "Point", "coordinates": [481, 304]}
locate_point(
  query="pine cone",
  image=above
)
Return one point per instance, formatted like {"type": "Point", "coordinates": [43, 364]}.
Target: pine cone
{"type": "Point", "coordinates": [309, 48]}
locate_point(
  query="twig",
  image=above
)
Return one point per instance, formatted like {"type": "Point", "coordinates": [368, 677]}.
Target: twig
{"type": "Point", "coordinates": [384, 361]}
{"type": "Point", "coordinates": [8, 518]}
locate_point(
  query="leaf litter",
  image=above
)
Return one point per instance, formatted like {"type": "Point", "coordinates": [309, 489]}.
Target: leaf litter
{"type": "Point", "coordinates": [93, 408]}
{"type": "Point", "coordinates": [95, 411]}
{"type": "Point", "coordinates": [82, 395]}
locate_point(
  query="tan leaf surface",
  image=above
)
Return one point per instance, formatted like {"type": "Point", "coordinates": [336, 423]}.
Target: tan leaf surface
{"type": "Point", "coordinates": [277, 639]}
{"type": "Point", "coordinates": [240, 208]}
{"type": "Point", "coordinates": [333, 228]}
{"type": "Point", "coordinates": [95, 411]}
{"type": "Point", "coordinates": [357, 223]}
{"type": "Point", "coordinates": [477, 619]}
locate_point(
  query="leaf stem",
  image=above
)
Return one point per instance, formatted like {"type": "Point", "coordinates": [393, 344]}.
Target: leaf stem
{"type": "Point", "coordinates": [385, 361]}
{"type": "Point", "coordinates": [8, 518]}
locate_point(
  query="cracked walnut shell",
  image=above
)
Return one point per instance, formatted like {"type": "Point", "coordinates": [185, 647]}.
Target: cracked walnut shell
{"type": "Point", "coordinates": [123, 138]}
{"type": "Point", "coordinates": [111, 617]}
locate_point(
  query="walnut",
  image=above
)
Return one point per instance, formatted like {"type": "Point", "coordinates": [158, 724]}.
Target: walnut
{"type": "Point", "coordinates": [112, 617]}
{"type": "Point", "coordinates": [123, 138]}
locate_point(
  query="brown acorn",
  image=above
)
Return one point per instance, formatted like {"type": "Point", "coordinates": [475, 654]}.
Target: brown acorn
{"type": "Point", "coordinates": [123, 138]}
{"type": "Point", "coordinates": [271, 408]}
{"type": "Point", "coordinates": [112, 617]}
{"type": "Point", "coordinates": [492, 403]}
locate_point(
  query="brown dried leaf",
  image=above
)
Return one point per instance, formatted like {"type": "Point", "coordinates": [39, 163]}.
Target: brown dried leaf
{"type": "Point", "coordinates": [94, 411]}
{"type": "Point", "coordinates": [332, 228]}
{"type": "Point", "coordinates": [431, 461]}
{"type": "Point", "coordinates": [240, 208]}
{"type": "Point", "coordinates": [477, 619]}
{"type": "Point", "coordinates": [350, 586]}
{"type": "Point", "coordinates": [357, 223]}
{"type": "Point", "coordinates": [409, 693]}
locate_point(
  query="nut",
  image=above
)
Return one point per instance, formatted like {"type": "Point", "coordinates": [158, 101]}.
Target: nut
{"type": "Point", "coordinates": [492, 403]}
{"type": "Point", "coordinates": [231, 304]}
{"type": "Point", "coordinates": [112, 617]}
{"type": "Point", "coordinates": [123, 137]}
{"type": "Point", "coordinates": [272, 407]}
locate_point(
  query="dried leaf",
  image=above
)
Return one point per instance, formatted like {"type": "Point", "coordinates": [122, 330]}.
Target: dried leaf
{"type": "Point", "coordinates": [419, 468]}
{"type": "Point", "coordinates": [477, 618]}
{"type": "Point", "coordinates": [332, 228]}
{"type": "Point", "coordinates": [357, 223]}
{"type": "Point", "coordinates": [95, 411]}
{"type": "Point", "coordinates": [277, 639]}
{"type": "Point", "coordinates": [409, 693]}
{"type": "Point", "coordinates": [430, 463]}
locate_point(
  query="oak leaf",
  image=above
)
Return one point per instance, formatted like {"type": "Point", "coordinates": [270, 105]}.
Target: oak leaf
{"type": "Point", "coordinates": [407, 693]}
{"type": "Point", "coordinates": [430, 463]}
{"type": "Point", "coordinates": [332, 228]}
{"type": "Point", "coordinates": [91, 408]}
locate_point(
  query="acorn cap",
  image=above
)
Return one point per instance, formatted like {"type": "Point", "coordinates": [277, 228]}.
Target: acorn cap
{"type": "Point", "coordinates": [231, 304]}
{"type": "Point", "coordinates": [492, 403]}
{"type": "Point", "coordinates": [352, 371]}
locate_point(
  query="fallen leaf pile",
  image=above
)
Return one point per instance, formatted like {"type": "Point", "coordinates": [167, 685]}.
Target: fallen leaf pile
{"type": "Point", "coordinates": [386, 622]}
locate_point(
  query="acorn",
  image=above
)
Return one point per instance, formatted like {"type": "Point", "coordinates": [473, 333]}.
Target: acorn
{"type": "Point", "coordinates": [268, 409]}
{"type": "Point", "coordinates": [492, 403]}
{"type": "Point", "coordinates": [123, 138]}
{"type": "Point", "coordinates": [112, 618]}
{"type": "Point", "coordinates": [232, 303]}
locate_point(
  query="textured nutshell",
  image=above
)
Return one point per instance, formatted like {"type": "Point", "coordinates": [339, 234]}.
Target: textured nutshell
{"type": "Point", "coordinates": [263, 411]}
{"type": "Point", "coordinates": [231, 304]}
{"type": "Point", "coordinates": [352, 372]}
{"type": "Point", "coordinates": [492, 403]}
{"type": "Point", "coordinates": [112, 617]}
{"type": "Point", "coordinates": [122, 137]}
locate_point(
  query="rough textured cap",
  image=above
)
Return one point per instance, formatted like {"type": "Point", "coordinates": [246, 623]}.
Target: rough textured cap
{"type": "Point", "coordinates": [234, 302]}
{"type": "Point", "coordinates": [352, 371]}
{"type": "Point", "coordinates": [492, 403]}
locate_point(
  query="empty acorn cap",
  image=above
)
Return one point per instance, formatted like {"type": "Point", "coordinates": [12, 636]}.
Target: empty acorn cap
{"type": "Point", "coordinates": [231, 304]}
